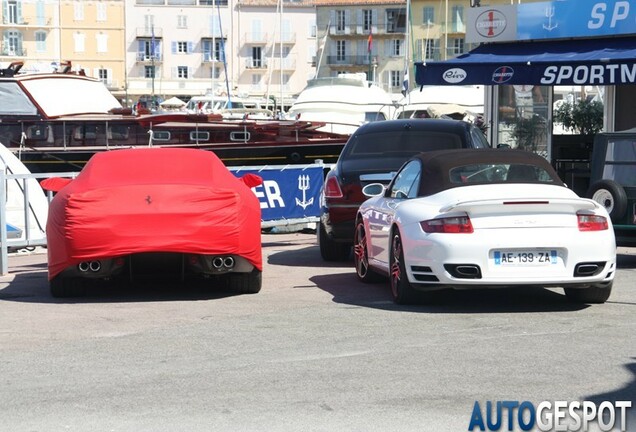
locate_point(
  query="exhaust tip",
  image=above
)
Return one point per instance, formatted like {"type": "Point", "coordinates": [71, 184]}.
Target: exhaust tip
{"type": "Point", "coordinates": [84, 266]}
{"type": "Point", "coordinates": [95, 266]}
{"type": "Point", "coordinates": [217, 262]}
{"type": "Point", "coordinates": [228, 262]}
{"type": "Point", "coordinates": [588, 269]}
{"type": "Point", "coordinates": [463, 271]}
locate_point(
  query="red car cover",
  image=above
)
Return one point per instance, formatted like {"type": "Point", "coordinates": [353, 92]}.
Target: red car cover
{"type": "Point", "coordinates": [152, 200]}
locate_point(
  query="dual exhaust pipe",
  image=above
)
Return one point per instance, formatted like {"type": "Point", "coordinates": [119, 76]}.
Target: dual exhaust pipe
{"type": "Point", "coordinates": [223, 263]}
{"type": "Point", "coordinates": [93, 266]}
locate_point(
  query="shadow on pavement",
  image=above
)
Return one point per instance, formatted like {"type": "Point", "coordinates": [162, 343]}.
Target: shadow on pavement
{"type": "Point", "coordinates": [346, 288]}
{"type": "Point", "coordinates": [625, 393]}
{"type": "Point", "coordinates": [33, 287]}
{"type": "Point", "coordinates": [626, 261]}
{"type": "Point", "coordinates": [305, 257]}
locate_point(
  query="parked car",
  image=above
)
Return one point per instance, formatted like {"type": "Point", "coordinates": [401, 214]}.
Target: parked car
{"type": "Point", "coordinates": [613, 181]}
{"type": "Point", "coordinates": [483, 218]}
{"type": "Point", "coordinates": [154, 212]}
{"type": "Point", "coordinates": [374, 152]}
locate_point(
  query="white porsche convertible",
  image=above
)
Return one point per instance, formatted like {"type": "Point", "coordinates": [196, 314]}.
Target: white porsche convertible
{"type": "Point", "coordinates": [483, 218]}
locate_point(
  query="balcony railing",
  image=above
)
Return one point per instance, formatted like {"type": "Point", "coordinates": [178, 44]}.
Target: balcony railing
{"type": "Point", "coordinates": [14, 52]}
{"type": "Point", "coordinates": [255, 64]}
{"type": "Point", "coordinates": [285, 64]}
{"type": "Point", "coordinates": [349, 60]}
{"type": "Point", "coordinates": [255, 37]}
{"type": "Point", "coordinates": [147, 32]}
{"type": "Point", "coordinates": [357, 30]}
{"type": "Point", "coordinates": [148, 58]}
{"type": "Point", "coordinates": [207, 57]}
{"type": "Point", "coordinates": [182, 2]}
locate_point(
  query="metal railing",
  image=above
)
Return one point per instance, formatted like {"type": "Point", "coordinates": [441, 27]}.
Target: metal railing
{"type": "Point", "coordinates": [27, 241]}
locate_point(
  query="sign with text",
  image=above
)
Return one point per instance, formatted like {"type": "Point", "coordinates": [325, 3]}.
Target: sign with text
{"type": "Point", "coordinates": [287, 192]}
{"type": "Point", "coordinates": [555, 19]}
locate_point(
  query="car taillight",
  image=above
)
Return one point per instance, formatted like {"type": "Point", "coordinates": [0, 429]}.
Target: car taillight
{"type": "Point", "coordinates": [588, 222]}
{"type": "Point", "coordinates": [459, 224]}
{"type": "Point", "coordinates": [332, 188]}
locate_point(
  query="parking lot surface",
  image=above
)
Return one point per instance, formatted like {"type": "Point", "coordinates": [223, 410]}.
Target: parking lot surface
{"type": "Point", "coordinates": [315, 350]}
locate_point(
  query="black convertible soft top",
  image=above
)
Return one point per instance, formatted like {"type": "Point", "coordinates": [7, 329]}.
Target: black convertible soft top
{"type": "Point", "coordinates": [438, 167]}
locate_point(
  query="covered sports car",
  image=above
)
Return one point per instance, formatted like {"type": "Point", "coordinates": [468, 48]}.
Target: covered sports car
{"type": "Point", "coordinates": [483, 218]}
{"type": "Point", "coordinates": [136, 213]}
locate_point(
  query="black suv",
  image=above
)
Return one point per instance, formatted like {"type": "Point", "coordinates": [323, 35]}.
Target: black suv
{"type": "Point", "coordinates": [373, 154]}
{"type": "Point", "coordinates": [613, 181]}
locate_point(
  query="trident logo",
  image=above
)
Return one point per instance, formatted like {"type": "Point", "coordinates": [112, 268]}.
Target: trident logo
{"type": "Point", "coordinates": [303, 185]}
{"type": "Point", "coordinates": [549, 14]}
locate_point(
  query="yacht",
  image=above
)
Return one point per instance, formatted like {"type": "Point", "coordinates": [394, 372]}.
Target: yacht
{"type": "Point", "coordinates": [56, 121]}
{"type": "Point", "coordinates": [458, 102]}
{"type": "Point", "coordinates": [343, 103]}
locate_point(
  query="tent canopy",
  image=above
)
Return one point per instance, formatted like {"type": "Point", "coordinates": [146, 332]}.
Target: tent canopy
{"type": "Point", "coordinates": [606, 61]}
{"type": "Point", "coordinates": [174, 102]}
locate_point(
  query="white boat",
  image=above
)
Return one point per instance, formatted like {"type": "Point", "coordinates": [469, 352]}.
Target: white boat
{"type": "Point", "coordinates": [344, 103]}
{"type": "Point", "coordinates": [457, 102]}
{"type": "Point", "coordinates": [235, 107]}
{"type": "Point", "coordinates": [23, 217]}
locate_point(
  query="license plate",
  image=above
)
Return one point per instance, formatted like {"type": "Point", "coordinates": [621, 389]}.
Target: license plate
{"type": "Point", "coordinates": [525, 257]}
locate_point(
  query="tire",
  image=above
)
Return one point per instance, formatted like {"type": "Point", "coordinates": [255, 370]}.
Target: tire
{"type": "Point", "coordinates": [361, 255]}
{"type": "Point", "coordinates": [65, 287]}
{"type": "Point", "coordinates": [401, 290]}
{"type": "Point", "coordinates": [245, 283]}
{"type": "Point", "coordinates": [610, 195]}
{"type": "Point", "coordinates": [331, 250]}
{"type": "Point", "coordinates": [598, 293]}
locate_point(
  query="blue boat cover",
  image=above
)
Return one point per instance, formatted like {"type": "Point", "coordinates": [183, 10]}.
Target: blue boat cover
{"type": "Point", "coordinates": [604, 61]}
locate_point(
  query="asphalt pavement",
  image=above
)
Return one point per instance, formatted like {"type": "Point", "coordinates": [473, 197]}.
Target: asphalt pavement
{"type": "Point", "coordinates": [315, 350]}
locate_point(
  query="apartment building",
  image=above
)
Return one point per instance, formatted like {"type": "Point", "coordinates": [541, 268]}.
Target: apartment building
{"type": "Point", "coordinates": [277, 47]}
{"type": "Point", "coordinates": [249, 47]}
{"type": "Point", "coordinates": [45, 33]}
{"type": "Point", "coordinates": [92, 36]}
{"type": "Point", "coordinates": [363, 37]}
{"type": "Point", "coordinates": [193, 47]}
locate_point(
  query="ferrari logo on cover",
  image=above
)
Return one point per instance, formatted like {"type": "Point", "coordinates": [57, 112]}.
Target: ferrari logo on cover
{"type": "Point", "coordinates": [303, 185]}
{"type": "Point", "coordinates": [148, 199]}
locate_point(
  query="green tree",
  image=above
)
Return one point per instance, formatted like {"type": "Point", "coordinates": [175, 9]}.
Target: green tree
{"type": "Point", "coordinates": [584, 117]}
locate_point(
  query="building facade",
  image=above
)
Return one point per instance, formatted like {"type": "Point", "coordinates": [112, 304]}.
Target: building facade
{"type": "Point", "coordinates": [263, 48]}
{"type": "Point", "coordinates": [45, 33]}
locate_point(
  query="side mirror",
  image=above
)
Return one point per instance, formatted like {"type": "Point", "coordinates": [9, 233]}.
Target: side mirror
{"type": "Point", "coordinates": [54, 184]}
{"type": "Point", "coordinates": [252, 180]}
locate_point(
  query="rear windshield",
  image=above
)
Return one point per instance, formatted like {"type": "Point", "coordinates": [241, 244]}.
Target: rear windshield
{"type": "Point", "coordinates": [403, 143]}
{"type": "Point", "coordinates": [496, 173]}
{"type": "Point", "coordinates": [620, 162]}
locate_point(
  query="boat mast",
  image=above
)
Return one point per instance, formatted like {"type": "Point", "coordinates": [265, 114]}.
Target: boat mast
{"type": "Point", "coordinates": [213, 53]}
{"type": "Point", "coordinates": [407, 50]}
{"type": "Point", "coordinates": [282, 110]}
{"type": "Point", "coordinates": [321, 46]}
{"type": "Point", "coordinates": [152, 62]}
{"type": "Point", "coordinates": [227, 82]}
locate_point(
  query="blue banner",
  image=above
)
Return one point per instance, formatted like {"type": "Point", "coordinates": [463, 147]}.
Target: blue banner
{"type": "Point", "coordinates": [566, 19]}
{"type": "Point", "coordinates": [287, 192]}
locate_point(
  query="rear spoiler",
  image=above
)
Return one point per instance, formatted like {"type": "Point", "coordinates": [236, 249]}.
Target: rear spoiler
{"type": "Point", "coordinates": [579, 203]}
